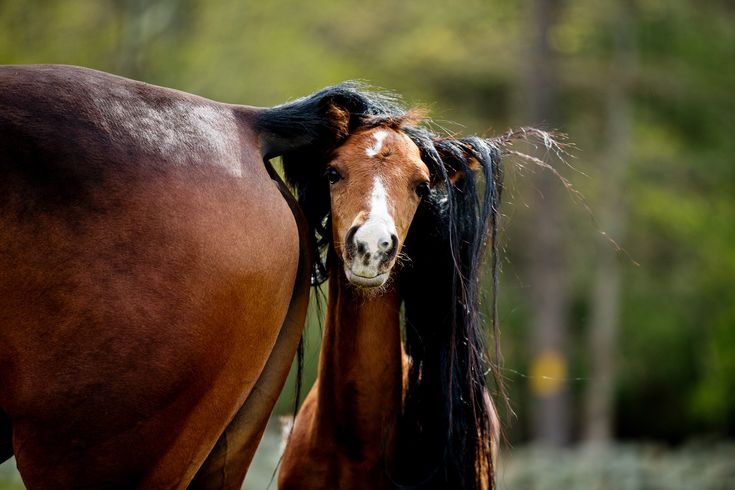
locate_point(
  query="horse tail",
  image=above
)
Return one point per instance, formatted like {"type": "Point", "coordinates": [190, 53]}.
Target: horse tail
{"type": "Point", "coordinates": [321, 121]}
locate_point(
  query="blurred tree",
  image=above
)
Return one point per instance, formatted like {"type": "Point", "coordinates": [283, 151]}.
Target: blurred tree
{"type": "Point", "coordinates": [605, 302]}
{"type": "Point", "coordinates": [142, 25]}
{"type": "Point", "coordinates": [547, 249]}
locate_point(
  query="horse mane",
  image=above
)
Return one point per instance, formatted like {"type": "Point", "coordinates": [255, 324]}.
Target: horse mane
{"type": "Point", "coordinates": [443, 435]}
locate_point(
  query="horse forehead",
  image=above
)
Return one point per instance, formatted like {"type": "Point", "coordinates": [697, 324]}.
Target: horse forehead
{"type": "Point", "coordinates": [381, 142]}
{"type": "Point", "coordinates": [383, 151]}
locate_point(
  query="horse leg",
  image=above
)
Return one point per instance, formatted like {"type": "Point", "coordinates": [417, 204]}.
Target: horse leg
{"type": "Point", "coordinates": [6, 438]}
{"type": "Point", "coordinates": [227, 464]}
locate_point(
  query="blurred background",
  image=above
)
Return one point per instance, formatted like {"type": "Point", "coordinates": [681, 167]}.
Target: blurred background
{"type": "Point", "coordinates": [618, 309]}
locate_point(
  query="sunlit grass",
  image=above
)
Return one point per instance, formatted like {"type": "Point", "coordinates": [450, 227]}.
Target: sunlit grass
{"type": "Point", "coordinates": [9, 477]}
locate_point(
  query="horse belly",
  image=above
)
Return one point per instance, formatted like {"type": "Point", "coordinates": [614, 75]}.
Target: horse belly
{"type": "Point", "coordinates": [133, 327]}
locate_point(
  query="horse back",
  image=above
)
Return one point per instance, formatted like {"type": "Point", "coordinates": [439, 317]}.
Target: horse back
{"type": "Point", "coordinates": [147, 261]}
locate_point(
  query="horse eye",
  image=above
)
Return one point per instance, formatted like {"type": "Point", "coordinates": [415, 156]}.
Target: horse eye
{"type": "Point", "coordinates": [422, 190]}
{"type": "Point", "coordinates": [332, 175]}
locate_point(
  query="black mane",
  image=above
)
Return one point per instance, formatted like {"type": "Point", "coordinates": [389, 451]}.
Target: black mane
{"type": "Point", "coordinates": [443, 435]}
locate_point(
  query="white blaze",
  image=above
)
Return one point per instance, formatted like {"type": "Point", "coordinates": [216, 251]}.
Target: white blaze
{"type": "Point", "coordinates": [379, 137]}
{"type": "Point", "coordinates": [379, 203]}
{"type": "Point", "coordinates": [379, 227]}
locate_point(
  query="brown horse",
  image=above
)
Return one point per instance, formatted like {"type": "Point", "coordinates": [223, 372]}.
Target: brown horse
{"type": "Point", "coordinates": [154, 275]}
{"type": "Point", "coordinates": [377, 418]}
{"type": "Point", "coordinates": [152, 288]}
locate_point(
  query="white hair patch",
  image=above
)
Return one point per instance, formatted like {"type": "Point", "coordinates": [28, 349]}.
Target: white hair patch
{"type": "Point", "coordinates": [379, 137]}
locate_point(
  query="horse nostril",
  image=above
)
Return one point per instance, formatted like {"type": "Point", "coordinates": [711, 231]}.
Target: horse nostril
{"type": "Point", "coordinates": [384, 244]}
{"type": "Point", "coordinates": [350, 245]}
{"type": "Point", "coordinates": [393, 246]}
{"type": "Point", "coordinates": [361, 250]}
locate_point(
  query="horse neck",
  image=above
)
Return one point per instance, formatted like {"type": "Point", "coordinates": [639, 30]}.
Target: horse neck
{"type": "Point", "coordinates": [360, 368]}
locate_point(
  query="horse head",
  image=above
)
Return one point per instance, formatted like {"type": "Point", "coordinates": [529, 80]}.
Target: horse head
{"type": "Point", "coordinates": [377, 180]}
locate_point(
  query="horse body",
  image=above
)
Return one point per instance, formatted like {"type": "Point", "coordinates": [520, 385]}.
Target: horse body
{"type": "Point", "coordinates": [342, 435]}
{"type": "Point", "coordinates": [380, 416]}
{"type": "Point", "coordinates": [150, 283]}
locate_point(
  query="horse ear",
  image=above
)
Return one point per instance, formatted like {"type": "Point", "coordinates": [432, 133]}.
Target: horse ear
{"type": "Point", "coordinates": [456, 174]}
{"type": "Point", "coordinates": [460, 157]}
{"type": "Point", "coordinates": [339, 118]}
{"type": "Point", "coordinates": [457, 161]}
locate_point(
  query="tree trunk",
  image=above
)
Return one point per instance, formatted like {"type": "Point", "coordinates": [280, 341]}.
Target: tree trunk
{"type": "Point", "coordinates": [547, 248]}
{"type": "Point", "coordinates": [599, 401]}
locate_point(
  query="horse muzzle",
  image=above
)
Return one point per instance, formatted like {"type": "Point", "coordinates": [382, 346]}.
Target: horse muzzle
{"type": "Point", "coordinates": [370, 252]}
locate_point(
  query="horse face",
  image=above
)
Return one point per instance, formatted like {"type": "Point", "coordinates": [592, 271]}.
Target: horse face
{"type": "Point", "coordinates": [377, 180]}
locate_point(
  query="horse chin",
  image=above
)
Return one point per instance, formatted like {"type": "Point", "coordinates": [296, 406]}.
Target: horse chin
{"type": "Point", "coordinates": [366, 282]}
